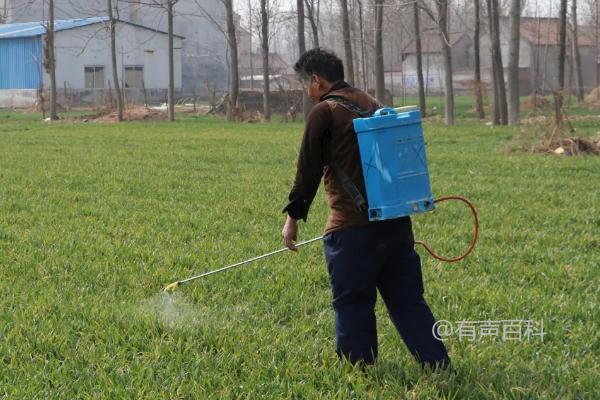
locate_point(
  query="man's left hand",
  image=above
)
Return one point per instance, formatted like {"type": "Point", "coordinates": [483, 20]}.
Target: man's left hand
{"type": "Point", "coordinates": [290, 233]}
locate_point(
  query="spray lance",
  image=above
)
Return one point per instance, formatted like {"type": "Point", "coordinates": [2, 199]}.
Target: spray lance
{"type": "Point", "coordinates": [392, 152]}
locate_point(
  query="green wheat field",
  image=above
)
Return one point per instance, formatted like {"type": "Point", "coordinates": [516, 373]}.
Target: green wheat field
{"type": "Point", "coordinates": [96, 218]}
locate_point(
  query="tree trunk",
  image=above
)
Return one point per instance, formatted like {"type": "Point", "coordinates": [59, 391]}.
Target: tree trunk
{"type": "Point", "coordinates": [171, 94]}
{"type": "Point", "coordinates": [379, 73]}
{"type": "Point", "coordinates": [306, 103]}
{"type": "Point", "coordinates": [500, 106]}
{"type": "Point", "coordinates": [576, 54]}
{"type": "Point", "coordinates": [234, 79]}
{"type": "Point", "coordinates": [513, 62]}
{"type": "Point", "coordinates": [363, 60]}
{"type": "Point", "coordinates": [113, 56]}
{"type": "Point", "coordinates": [265, 57]}
{"type": "Point", "coordinates": [442, 6]}
{"type": "Point", "coordinates": [562, 55]}
{"type": "Point", "coordinates": [347, 42]}
{"type": "Point", "coordinates": [251, 61]}
{"type": "Point", "coordinates": [52, 61]}
{"type": "Point", "coordinates": [597, 35]}
{"type": "Point", "coordinates": [478, 84]}
{"type": "Point", "coordinates": [420, 79]}
{"type": "Point", "coordinates": [310, 8]}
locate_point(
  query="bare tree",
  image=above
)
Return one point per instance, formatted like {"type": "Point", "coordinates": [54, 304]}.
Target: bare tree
{"type": "Point", "coordinates": [313, 19]}
{"type": "Point", "coordinates": [265, 58]}
{"type": "Point", "coordinates": [597, 42]}
{"type": "Point", "coordinates": [418, 51]}
{"type": "Point", "coordinates": [363, 61]}
{"type": "Point", "coordinates": [113, 54]}
{"type": "Point", "coordinates": [478, 83]}
{"type": "Point", "coordinates": [347, 42]}
{"type": "Point", "coordinates": [4, 15]}
{"type": "Point", "coordinates": [562, 52]}
{"type": "Point", "coordinates": [513, 62]}
{"type": "Point", "coordinates": [234, 78]}
{"type": "Point", "coordinates": [442, 7]}
{"type": "Point", "coordinates": [51, 60]}
{"type": "Point", "coordinates": [306, 103]}
{"type": "Point", "coordinates": [576, 54]}
{"type": "Point", "coordinates": [500, 105]}
{"type": "Point", "coordinates": [171, 93]}
{"type": "Point", "coordinates": [379, 67]}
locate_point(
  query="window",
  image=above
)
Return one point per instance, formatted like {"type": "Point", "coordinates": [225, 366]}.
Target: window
{"type": "Point", "coordinates": [94, 77]}
{"type": "Point", "coordinates": [134, 76]}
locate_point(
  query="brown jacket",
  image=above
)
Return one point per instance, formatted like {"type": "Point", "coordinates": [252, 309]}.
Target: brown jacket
{"type": "Point", "coordinates": [329, 135]}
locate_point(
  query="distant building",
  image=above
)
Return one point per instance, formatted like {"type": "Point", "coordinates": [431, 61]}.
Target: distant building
{"type": "Point", "coordinates": [281, 74]}
{"type": "Point", "coordinates": [538, 54]}
{"type": "Point", "coordinates": [204, 53]}
{"type": "Point", "coordinates": [83, 62]}
{"type": "Point", "coordinates": [403, 77]}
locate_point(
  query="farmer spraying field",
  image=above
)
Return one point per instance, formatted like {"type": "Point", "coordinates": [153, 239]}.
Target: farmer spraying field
{"type": "Point", "coordinates": [362, 256]}
{"type": "Point", "coordinates": [373, 163]}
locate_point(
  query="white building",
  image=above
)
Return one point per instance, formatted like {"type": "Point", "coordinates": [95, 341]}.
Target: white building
{"type": "Point", "coordinates": [83, 61]}
{"type": "Point", "coordinates": [204, 54]}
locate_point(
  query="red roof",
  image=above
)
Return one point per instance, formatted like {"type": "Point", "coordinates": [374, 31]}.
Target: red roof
{"type": "Point", "coordinates": [431, 43]}
{"type": "Point", "coordinates": [545, 32]}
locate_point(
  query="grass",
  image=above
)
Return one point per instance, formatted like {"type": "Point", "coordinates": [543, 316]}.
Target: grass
{"type": "Point", "coordinates": [96, 218]}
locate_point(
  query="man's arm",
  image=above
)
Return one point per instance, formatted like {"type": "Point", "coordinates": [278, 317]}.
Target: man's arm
{"type": "Point", "coordinates": [309, 169]}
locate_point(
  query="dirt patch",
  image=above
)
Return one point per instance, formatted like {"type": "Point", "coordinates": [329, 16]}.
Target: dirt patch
{"type": "Point", "coordinates": [537, 103]}
{"type": "Point", "coordinates": [570, 146]}
{"type": "Point", "coordinates": [541, 135]}
{"type": "Point", "coordinates": [129, 114]}
{"type": "Point", "coordinates": [593, 98]}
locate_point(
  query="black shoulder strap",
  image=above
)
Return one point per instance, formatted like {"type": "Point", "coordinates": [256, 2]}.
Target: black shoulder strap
{"type": "Point", "coordinates": [350, 106]}
{"type": "Point", "coordinates": [349, 186]}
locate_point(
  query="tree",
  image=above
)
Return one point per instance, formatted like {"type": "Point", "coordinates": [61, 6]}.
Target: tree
{"type": "Point", "coordinates": [265, 58]}
{"type": "Point", "coordinates": [171, 92]}
{"type": "Point", "coordinates": [363, 51]}
{"type": "Point", "coordinates": [113, 54]}
{"type": "Point", "coordinates": [513, 62]}
{"type": "Point", "coordinates": [347, 42]}
{"type": "Point", "coordinates": [234, 78]}
{"type": "Point", "coordinates": [442, 7]}
{"type": "Point", "coordinates": [379, 68]}
{"type": "Point", "coordinates": [576, 54]}
{"type": "Point", "coordinates": [500, 106]}
{"type": "Point", "coordinates": [421, 81]}
{"type": "Point", "coordinates": [51, 60]}
{"type": "Point", "coordinates": [478, 84]}
{"type": "Point", "coordinates": [306, 103]}
{"type": "Point", "coordinates": [562, 53]}
{"type": "Point", "coordinates": [313, 18]}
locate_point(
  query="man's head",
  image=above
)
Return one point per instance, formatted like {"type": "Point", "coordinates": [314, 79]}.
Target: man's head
{"type": "Point", "coordinates": [319, 69]}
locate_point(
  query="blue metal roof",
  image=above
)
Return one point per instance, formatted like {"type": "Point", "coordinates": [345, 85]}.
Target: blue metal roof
{"type": "Point", "coordinates": [31, 29]}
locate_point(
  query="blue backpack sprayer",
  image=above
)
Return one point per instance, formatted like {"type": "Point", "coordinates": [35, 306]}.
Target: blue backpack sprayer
{"type": "Point", "coordinates": [394, 165]}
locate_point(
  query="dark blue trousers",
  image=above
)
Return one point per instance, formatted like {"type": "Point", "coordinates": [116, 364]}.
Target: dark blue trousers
{"type": "Point", "coordinates": [379, 256]}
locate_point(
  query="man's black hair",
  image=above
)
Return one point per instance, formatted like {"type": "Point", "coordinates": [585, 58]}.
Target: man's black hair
{"type": "Point", "coordinates": [320, 62]}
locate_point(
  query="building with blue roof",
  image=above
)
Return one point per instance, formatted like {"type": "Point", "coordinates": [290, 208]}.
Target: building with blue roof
{"type": "Point", "coordinates": [83, 61]}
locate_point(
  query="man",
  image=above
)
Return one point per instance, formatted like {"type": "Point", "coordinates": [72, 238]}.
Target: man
{"type": "Point", "coordinates": [362, 256]}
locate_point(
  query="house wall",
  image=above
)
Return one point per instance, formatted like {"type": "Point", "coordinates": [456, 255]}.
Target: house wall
{"type": "Point", "coordinates": [90, 46]}
{"type": "Point", "coordinates": [204, 53]}
{"type": "Point", "coordinates": [20, 65]}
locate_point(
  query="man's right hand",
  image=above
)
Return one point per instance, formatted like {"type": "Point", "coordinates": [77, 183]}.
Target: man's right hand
{"type": "Point", "coordinates": [290, 233]}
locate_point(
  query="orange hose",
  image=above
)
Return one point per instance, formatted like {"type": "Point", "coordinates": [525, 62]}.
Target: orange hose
{"type": "Point", "coordinates": [475, 231]}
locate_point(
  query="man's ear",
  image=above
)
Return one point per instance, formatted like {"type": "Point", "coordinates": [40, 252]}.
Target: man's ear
{"type": "Point", "coordinates": [316, 79]}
